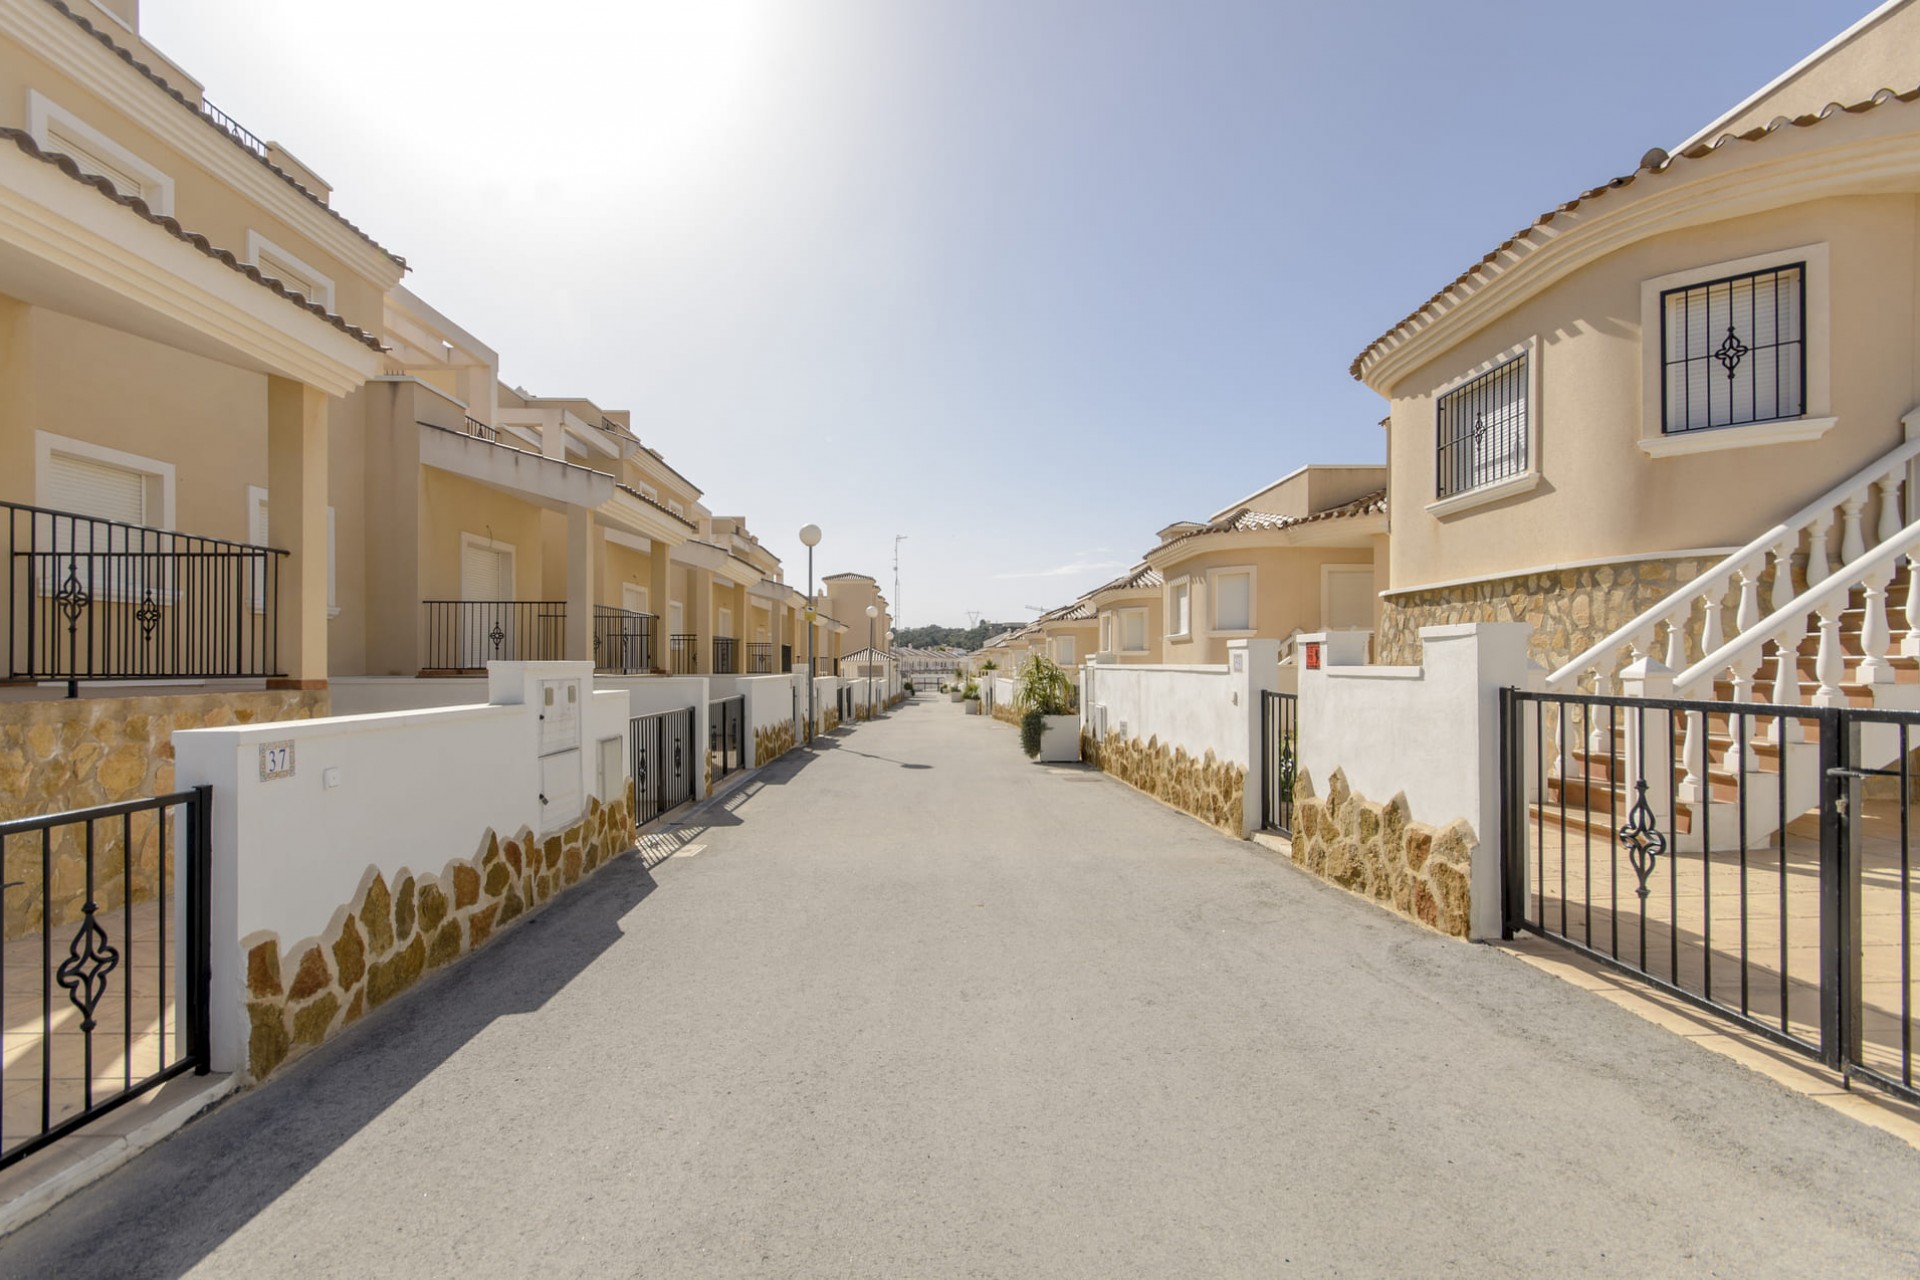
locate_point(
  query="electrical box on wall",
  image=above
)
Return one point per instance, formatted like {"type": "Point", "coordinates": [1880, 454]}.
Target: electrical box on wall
{"type": "Point", "coordinates": [560, 800]}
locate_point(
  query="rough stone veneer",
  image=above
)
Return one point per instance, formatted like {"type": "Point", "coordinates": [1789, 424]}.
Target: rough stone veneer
{"type": "Point", "coordinates": [1378, 850]}
{"type": "Point", "coordinates": [772, 742]}
{"type": "Point", "coordinates": [1570, 609]}
{"type": "Point", "coordinates": [74, 753]}
{"type": "Point", "coordinates": [1210, 789]}
{"type": "Point", "coordinates": [390, 935]}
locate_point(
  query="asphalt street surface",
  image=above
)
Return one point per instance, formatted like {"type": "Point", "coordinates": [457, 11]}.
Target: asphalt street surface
{"type": "Point", "coordinates": [919, 1007]}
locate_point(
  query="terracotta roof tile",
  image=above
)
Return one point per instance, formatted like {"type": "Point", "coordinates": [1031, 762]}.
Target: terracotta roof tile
{"type": "Point", "coordinates": [1245, 519]}
{"type": "Point", "coordinates": [1142, 579]}
{"type": "Point", "coordinates": [1521, 242]}
{"type": "Point", "coordinates": [24, 141]}
{"type": "Point", "coordinates": [127, 57]}
{"type": "Point", "coordinates": [630, 491]}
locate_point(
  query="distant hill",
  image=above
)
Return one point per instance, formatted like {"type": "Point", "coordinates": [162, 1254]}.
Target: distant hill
{"type": "Point", "coordinates": [958, 637]}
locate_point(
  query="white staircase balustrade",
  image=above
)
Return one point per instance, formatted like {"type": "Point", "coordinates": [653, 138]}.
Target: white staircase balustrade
{"type": "Point", "coordinates": [1706, 595]}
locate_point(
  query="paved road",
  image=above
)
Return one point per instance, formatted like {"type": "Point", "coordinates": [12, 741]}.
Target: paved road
{"type": "Point", "coordinates": [921, 1008]}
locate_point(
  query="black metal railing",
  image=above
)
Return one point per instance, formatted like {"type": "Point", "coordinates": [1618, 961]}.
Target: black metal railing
{"type": "Point", "coordinates": [726, 656]}
{"type": "Point", "coordinates": [760, 658]}
{"type": "Point", "coordinates": [92, 599]}
{"type": "Point", "coordinates": [480, 430]}
{"type": "Point", "coordinates": [234, 129]}
{"type": "Point", "coordinates": [786, 659]}
{"type": "Point", "coordinates": [1733, 350]}
{"type": "Point", "coordinates": [726, 734]}
{"type": "Point", "coordinates": [465, 635]}
{"type": "Point", "coordinates": [100, 1003]}
{"type": "Point", "coordinates": [684, 650]}
{"type": "Point", "coordinates": [1482, 435]}
{"type": "Point", "coordinates": [1732, 855]}
{"type": "Point", "coordinates": [1279, 759]}
{"type": "Point", "coordinates": [662, 762]}
{"type": "Point", "coordinates": [623, 640]}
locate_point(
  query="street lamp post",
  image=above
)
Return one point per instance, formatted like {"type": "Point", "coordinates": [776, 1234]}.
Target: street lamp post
{"type": "Point", "coordinates": [873, 611]}
{"type": "Point", "coordinates": [892, 666]}
{"type": "Point", "coordinates": [810, 535]}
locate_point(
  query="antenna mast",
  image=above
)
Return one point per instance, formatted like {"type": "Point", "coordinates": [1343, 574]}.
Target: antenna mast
{"type": "Point", "coordinates": [898, 538]}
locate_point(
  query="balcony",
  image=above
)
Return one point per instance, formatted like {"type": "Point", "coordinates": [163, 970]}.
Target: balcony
{"type": "Point", "coordinates": [726, 656]}
{"type": "Point", "coordinates": [623, 641]}
{"type": "Point", "coordinates": [91, 599]}
{"type": "Point", "coordinates": [684, 651]}
{"type": "Point", "coordinates": [463, 636]}
{"type": "Point", "coordinates": [760, 658]}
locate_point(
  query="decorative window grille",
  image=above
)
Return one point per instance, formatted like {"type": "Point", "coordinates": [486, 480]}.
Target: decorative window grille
{"type": "Point", "coordinates": [1734, 350]}
{"type": "Point", "coordinates": [1483, 430]}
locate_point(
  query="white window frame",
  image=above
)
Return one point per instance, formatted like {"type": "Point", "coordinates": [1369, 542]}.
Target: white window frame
{"type": "Point", "coordinates": [1327, 573]}
{"type": "Point", "coordinates": [1253, 601]}
{"type": "Point", "coordinates": [723, 624]}
{"type": "Point", "coordinates": [160, 475]}
{"type": "Point", "coordinates": [1146, 641]}
{"type": "Point", "coordinates": [1512, 486]}
{"type": "Point", "coordinates": [1816, 327]}
{"type": "Point", "coordinates": [258, 244]}
{"type": "Point", "coordinates": [42, 112]}
{"type": "Point", "coordinates": [1109, 632]}
{"type": "Point", "coordinates": [1054, 646]}
{"type": "Point", "coordinates": [676, 508]}
{"type": "Point", "coordinates": [491, 544]}
{"type": "Point", "coordinates": [1175, 588]}
{"type": "Point", "coordinates": [259, 534]}
{"type": "Point", "coordinates": [642, 592]}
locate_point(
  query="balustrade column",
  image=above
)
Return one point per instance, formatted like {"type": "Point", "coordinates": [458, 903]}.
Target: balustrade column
{"type": "Point", "coordinates": [1875, 636]}
{"type": "Point", "coordinates": [1830, 666]}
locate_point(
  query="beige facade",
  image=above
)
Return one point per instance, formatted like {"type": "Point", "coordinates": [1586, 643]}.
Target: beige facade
{"type": "Point", "coordinates": [1298, 555]}
{"type": "Point", "coordinates": [1627, 434]}
{"type": "Point", "coordinates": [1130, 618]}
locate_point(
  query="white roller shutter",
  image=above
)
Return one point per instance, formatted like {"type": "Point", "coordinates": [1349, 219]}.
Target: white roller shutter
{"type": "Point", "coordinates": [97, 489]}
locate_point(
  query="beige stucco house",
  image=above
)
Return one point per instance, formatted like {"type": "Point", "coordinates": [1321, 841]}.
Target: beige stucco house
{"type": "Point", "coordinates": [1130, 618]}
{"type": "Point", "coordinates": [1716, 348]}
{"type": "Point", "coordinates": [1297, 555]}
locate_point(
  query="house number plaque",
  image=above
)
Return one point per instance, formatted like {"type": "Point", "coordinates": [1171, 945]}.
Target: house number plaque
{"type": "Point", "coordinates": [276, 760]}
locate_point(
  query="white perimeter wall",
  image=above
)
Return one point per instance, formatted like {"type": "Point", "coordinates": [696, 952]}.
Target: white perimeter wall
{"type": "Point", "coordinates": [1431, 731]}
{"type": "Point", "coordinates": [1200, 709]}
{"type": "Point", "coordinates": [410, 790]}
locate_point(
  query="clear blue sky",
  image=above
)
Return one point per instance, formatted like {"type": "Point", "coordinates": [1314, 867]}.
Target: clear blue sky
{"type": "Point", "coordinates": [962, 270]}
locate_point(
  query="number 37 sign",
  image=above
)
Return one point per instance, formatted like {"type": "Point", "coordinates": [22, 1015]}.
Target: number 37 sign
{"type": "Point", "coordinates": [276, 760]}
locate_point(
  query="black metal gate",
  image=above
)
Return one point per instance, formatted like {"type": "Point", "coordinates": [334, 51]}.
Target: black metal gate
{"type": "Point", "coordinates": [726, 731]}
{"type": "Point", "coordinates": [102, 999]}
{"type": "Point", "coordinates": [1279, 759]}
{"type": "Point", "coordinates": [1750, 859]}
{"type": "Point", "coordinates": [662, 762]}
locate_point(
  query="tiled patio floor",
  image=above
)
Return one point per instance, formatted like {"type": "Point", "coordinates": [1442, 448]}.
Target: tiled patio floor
{"type": "Point", "coordinates": [46, 1060]}
{"type": "Point", "coordinates": [1740, 929]}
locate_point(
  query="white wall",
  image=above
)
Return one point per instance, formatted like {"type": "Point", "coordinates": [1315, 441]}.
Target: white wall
{"type": "Point", "coordinates": [1431, 731]}
{"type": "Point", "coordinates": [1190, 707]}
{"type": "Point", "coordinates": [392, 790]}
{"type": "Point", "coordinates": [365, 695]}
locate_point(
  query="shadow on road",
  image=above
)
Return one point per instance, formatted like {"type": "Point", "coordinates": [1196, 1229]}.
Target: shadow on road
{"type": "Point", "coordinates": [188, 1195]}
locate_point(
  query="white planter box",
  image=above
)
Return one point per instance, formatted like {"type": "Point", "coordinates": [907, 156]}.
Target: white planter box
{"type": "Point", "coordinates": [953, 695]}
{"type": "Point", "coordinates": [973, 706]}
{"type": "Point", "coordinates": [1061, 740]}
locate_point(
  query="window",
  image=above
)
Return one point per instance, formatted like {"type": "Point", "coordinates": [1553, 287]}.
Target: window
{"type": "Point", "coordinates": [1133, 631]}
{"type": "Point", "coordinates": [1484, 429]}
{"type": "Point", "coordinates": [1734, 350]}
{"type": "Point", "coordinates": [105, 484]}
{"type": "Point", "coordinates": [1179, 608]}
{"type": "Point", "coordinates": [726, 624]}
{"type": "Point", "coordinates": [294, 275]}
{"type": "Point", "coordinates": [486, 568]}
{"type": "Point", "coordinates": [257, 534]}
{"type": "Point", "coordinates": [56, 129]}
{"type": "Point", "coordinates": [676, 508]}
{"type": "Point", "coordinates": [1063, 650]}
{"type": "Point", "coordinates": [1106, 633]}
{"type": "Point", "coordinates": [1232, 599]}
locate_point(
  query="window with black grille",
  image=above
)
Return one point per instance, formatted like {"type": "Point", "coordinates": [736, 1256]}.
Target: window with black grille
{"type": "Point", "coordinates": [1734, 351]}
{"type": "Point", "coordinates": [1483, 430]}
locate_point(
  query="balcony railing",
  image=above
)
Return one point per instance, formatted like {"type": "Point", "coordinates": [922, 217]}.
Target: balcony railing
{"type": "Point", "coordinates": [623, 640]}
{"type": "Point", "coordinates": [91, 599]}
{"type": "Point", "coordinates": [465, 635]}
{"type": "Point", "coordinates": [760, 659]}
{"type": "Point", "coordinates": [726, 656]}
{"type": "Point", "coordinates": [685, 653]}
{"type": "Point", "coordinates": [480, 430]}
{"type": "Point", "coordinates": [235, 130]}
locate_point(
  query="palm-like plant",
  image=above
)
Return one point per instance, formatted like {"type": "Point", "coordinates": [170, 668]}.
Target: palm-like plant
{"type": "Point", "coordinates": [1042, 686]}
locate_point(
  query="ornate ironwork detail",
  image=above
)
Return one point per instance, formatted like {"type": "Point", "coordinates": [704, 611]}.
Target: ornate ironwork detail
{"type": "Point", "coordinates": [1642, 838]}
{"type": "Point", "coordinates": [73, 596]}
{"type": "Point", "coordinates": [83, 974]}
{"type": "Point", "coordinates": [147, 615]}
{"type": "Point", "coordinates": [496, 635]}
{"type": "Point", "coordinates": [1731, 352]}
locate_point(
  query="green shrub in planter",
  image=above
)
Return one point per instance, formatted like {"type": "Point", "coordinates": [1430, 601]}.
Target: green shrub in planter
{"type": "Point", "coordinates": [1033, 727]}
